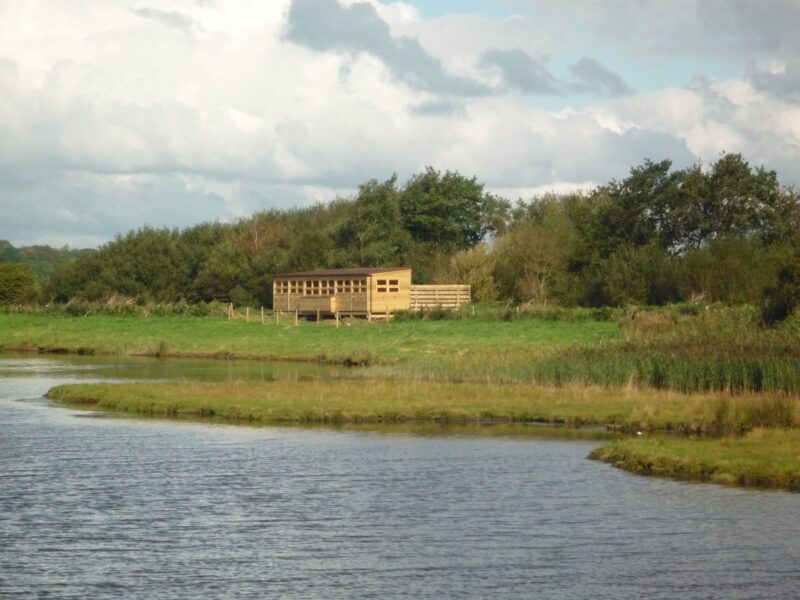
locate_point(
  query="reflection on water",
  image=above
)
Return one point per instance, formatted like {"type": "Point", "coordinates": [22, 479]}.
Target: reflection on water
{"type": "Point", "coordinates": [121, 508]}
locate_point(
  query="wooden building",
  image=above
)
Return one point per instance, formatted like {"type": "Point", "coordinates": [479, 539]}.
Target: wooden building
{"type": "Point", "coordinates": [370, 293]}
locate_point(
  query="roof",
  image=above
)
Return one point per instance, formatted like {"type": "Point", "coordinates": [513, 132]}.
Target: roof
{"type": "Point", "coordinates": [342, 272]}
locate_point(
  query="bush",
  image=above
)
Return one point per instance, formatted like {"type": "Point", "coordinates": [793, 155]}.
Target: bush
{"type": "Point", "coordinates": [781, 299]}
{"type": "Point", "coordinates": [17, 283]}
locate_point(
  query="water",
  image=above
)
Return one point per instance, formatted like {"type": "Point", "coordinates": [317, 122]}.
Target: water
{"type": "Point", "coordinates": [99, 507]}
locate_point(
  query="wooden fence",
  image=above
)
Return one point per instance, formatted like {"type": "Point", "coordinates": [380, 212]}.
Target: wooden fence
{"type": "Point", "coordinates": [439, 296]}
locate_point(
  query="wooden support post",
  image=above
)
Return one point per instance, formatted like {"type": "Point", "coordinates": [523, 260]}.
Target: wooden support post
{"type": "Point", "coordinates": [295, 317]}
{"type": "Point", "coordinates": [247, 314]}
{"type": "Point", "coordinates": [277, 316]}
{"type": "Point", "coordinates": [317, 317]}
{"type": "Point", "coordinates": [337, 318]}
{"type": "Point", "coordinates": [262, 315]}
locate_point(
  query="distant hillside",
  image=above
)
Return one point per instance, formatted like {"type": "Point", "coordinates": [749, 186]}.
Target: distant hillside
{"type": "Point", "coordinates": [42, 259]}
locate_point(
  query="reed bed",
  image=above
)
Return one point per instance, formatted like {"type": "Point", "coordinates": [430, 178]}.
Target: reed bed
{"type": "Point", "coordinates": [719, 350]}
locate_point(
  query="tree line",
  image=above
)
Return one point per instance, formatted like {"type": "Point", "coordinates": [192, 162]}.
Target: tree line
{"type": "Point", "coordinates": [725, 233]}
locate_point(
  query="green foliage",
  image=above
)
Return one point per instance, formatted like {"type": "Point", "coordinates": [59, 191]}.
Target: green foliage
{"type": "Point", "coordinates": [43, 260]}
{"type": "Point", "coordinates": [449, 211]}
{"type": "Point", "coordinates": [533, 257]}
{"type": "Point", "coordinates": [782, 298]}
{"type": "Point", "coordinates": [373, 232]}
{"type": "Point", "coordinates": [17, 283]}
{"type": "Point", "coordinates": [639, 275]}
{"type": "Point", "coordinates": [732, 270]}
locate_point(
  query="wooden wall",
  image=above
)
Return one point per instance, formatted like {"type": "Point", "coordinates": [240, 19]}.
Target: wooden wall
{"type": "Point", "coordinates": [390, 291]}
{"type": "Point", "coordinates": [439, 296]}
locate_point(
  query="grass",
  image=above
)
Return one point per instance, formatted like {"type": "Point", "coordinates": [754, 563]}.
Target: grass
{"type": "Point", "coordinates": [388, 400]}
{"type": "Point", "coordinates": [763, 457]}
{"type": "Point", "coordinates": [409, 342]}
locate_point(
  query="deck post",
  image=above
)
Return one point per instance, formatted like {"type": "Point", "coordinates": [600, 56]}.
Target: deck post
{"type": "Point", "coordinates": [277, 317]}
{"type": "Point", "coordinates": [317, 316]}
{"type": "Point", "coordinates": [337, 318]}
{"type": "Point", "coordinates": [295, 317]}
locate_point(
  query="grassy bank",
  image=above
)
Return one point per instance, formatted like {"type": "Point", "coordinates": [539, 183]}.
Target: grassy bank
{"type": "Point", "coordinates": [763, 457]}
{"type": "Point", "coordinates": [388, 400]}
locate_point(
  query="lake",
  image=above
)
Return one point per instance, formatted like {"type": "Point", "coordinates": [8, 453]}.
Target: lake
{"type": "Point", "coordinates": [93, 506]}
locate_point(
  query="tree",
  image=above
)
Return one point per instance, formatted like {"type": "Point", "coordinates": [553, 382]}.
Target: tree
{"type": "Point", "coordinates": [17, 283]}
{"type": "Point", "coordinates": [372, 231]}
{"type": "Point", "coordinates": [227, 269]}
{"type": "Point", "coordinates": [534, 256]}
{"type": "Point", "coordinates": [474, 267]}
{"type": "Point", "coordinates": [448, 211]}
{"type": "Point", "coordinates": [639, 275]}
{"type": "Point", "coordinates": [637, 210]}
{"type": "Point", "coordinates": [782, 298]}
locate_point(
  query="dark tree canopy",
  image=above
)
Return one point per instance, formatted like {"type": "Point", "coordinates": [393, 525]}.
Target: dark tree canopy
{"type": "Point", "coordinates": [449, 211]}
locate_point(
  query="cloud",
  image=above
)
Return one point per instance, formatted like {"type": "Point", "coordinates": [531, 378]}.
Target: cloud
{"type": "Point", "coordinates": [726, 30]}
{"type": "Point", "coordinates": [324, 25]}
{"type": "Point", "coordinates": [438, 108]}
{"type": "Point", "coordinates": [170, 18]}
{"type": "Point", "coordinates": [519, 70]}
{"type": "Point", "coordinates": [522, 72]}
{"type": "Point", "coordinates": [591, 76]}
{"type": "Point", "coordinates": [783, 82]}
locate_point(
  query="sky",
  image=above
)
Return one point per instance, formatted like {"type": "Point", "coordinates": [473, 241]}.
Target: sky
{"type": "Point", "coordinates": [124, 113]}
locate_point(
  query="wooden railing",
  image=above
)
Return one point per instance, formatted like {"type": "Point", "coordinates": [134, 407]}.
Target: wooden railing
{"type": "Point", "coordinates": [439, 296]}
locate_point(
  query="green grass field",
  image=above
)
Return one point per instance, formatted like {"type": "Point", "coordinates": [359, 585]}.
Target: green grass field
{"type": "Point", "coordinates": [385, 343]}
